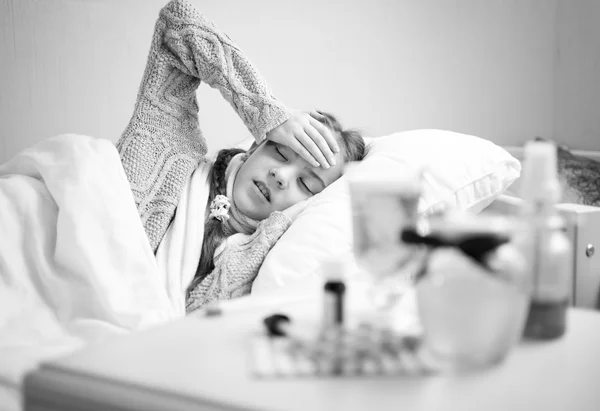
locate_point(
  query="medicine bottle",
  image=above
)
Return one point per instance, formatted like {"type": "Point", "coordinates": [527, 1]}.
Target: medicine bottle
{"type": "Point", "coordinates": [546, 245]}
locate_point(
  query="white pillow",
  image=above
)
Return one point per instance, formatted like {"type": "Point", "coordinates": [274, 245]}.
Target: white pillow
{"type": "Point", "coordinates": [460, 171]}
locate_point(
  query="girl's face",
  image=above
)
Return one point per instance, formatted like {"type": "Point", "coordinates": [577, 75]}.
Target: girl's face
{"type": "Point", "coordinates": [274, 178]}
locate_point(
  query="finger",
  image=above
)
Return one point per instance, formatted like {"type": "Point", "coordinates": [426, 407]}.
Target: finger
{"type": "Point", "coordinates": [321, 143]}
{"type": "Point", "coordinates": [309, 143]}
{"type": "Point", "coordinates": [326, 133]}
{"type": "Point", "coordinates": [304, 153]}
{"type": "Point", "coordinates": [317, 115]}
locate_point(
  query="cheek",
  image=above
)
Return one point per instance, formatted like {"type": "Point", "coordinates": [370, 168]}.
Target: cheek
{"type": "Point", "coordinates": [290, 198]}
{"type": "Point", "coordinates": [240, 188]}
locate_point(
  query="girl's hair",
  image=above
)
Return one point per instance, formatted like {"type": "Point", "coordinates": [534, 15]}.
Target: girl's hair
{"type": "Point", "coordinates": [351, 144]}
{"type": "Point", "coordinates": [213, 228]}
{"type": "Point", "coordinates": [351, 141]}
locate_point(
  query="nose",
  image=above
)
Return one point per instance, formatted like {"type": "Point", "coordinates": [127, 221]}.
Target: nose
{"type": "Point", "coordinates": [280, 176]}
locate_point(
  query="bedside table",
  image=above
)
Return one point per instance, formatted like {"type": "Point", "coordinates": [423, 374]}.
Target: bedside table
{"type": "Point", "coordinates": [201, 363]}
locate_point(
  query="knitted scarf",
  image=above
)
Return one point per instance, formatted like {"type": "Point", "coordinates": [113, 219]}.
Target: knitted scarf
{"type": "Point", "coordinates": [237, 221]}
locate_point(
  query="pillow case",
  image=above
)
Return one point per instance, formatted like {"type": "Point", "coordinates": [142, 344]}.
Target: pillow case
{"type": "Point", "coordinates": [459, 170]}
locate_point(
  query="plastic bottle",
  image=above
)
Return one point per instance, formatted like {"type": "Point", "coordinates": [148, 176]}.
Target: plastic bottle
{"type": "Point", "coordinates": [334, 290]}
{"type": "Point", "coordinates": [548, 249]}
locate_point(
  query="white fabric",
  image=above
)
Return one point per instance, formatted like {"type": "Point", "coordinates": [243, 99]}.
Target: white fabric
{"type": "Point", "coordinates": [179, 251]}
{"type": "Point", "coordinates": [460, 171]}
{"type": "Point", "coordinates": [75, 263]}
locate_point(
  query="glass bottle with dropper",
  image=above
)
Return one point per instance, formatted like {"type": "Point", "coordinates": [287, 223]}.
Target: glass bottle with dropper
{"type": "Point", "coordinates": [548, 248]}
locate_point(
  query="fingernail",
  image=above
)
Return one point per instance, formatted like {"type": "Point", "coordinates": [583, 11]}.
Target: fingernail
{"type": "Point", "coordinates": [325, 166]}
{"type": "Point", "coordinates": [336, 149]}
{"type": "Point", "coordinates": [332, 161]}
{"type": "Point", "coordinates": [316, 164]}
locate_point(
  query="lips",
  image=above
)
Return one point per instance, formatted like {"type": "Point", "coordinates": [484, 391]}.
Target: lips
{"type": "Point", "coordinates": [264, 190]}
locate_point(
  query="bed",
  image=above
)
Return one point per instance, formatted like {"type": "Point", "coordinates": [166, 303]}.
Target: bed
{"type": "Point", "coordinates": [486, 181]}
{"type": "Point", "coordinates": [459, 170]}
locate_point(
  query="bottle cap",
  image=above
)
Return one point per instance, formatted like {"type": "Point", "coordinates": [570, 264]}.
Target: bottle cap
{"type": "Point", "coordinates": [540, 175]}
{"type": "Point", "coordinates": [274, 323]}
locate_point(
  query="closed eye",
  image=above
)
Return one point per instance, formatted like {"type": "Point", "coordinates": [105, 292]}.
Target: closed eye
{"type": "Point", "coordinates": [305, 187]}
{"type": "Point", "coordinates": [280, 154]}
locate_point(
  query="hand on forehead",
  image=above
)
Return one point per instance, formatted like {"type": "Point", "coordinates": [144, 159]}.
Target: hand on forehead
{"type": "Point", "coordinates": [312, 140]}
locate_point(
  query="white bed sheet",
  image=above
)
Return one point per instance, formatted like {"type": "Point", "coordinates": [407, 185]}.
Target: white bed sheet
{"type": "Point", "coordinates": [75, 264]}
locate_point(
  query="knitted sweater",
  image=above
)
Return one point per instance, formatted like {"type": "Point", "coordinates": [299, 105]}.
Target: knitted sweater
{"type": "Point", "coordinates": [234, 261]}
{"type": "Point", "coordinates": [162, 144]}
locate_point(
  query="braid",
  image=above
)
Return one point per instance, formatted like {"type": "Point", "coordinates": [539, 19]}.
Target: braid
{"type": "Point", "coordinates": [216, 176]}
{"type": "Point", "coordinates": [213, 229]}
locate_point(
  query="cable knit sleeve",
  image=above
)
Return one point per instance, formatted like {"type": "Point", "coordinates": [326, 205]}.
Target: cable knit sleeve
{"type": "Point", "coordinates": [200, 49]}
{"type": "Point", "coordinates": [237, 262]}
{"type": "Point", "coordinates": [162, 144]}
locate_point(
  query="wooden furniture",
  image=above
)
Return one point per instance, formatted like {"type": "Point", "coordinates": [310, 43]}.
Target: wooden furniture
{"type": "Point", "coordinates": [201, 363]}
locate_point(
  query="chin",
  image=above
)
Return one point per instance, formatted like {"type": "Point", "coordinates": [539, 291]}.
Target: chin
{"type": "Point", "coordinates": [260, 214]}
{"type": "Point", "coordinates": [249, 209]}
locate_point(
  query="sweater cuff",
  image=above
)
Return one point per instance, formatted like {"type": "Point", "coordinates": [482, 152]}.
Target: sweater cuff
{"type": "Point", "coordinates": [274, 116]}
{"type": "Point", "coordinates": [275, 225]}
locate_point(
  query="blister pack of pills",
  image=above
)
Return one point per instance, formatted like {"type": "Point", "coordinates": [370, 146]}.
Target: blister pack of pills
{"type": "Point", "coordinates": [362, 352]}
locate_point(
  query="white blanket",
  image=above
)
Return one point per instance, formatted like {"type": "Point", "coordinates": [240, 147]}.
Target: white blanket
{"type": "Point", "coordinates": [75, 263]}
{"type": "Point", "coordinates": [179, 251]}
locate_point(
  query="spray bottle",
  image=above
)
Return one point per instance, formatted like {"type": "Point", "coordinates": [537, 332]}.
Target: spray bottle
{"type": "Point", "coordinates": [548, 248]}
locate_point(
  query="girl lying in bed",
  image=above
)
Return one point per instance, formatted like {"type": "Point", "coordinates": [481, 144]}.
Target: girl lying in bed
{"type": "Point", "coordinates": [252, 196]}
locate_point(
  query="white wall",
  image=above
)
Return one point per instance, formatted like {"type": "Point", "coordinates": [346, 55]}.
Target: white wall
{"type": "Point", "coordinates": [577, 74]}
{"type": "Point", "coordinates": [478, 67]}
